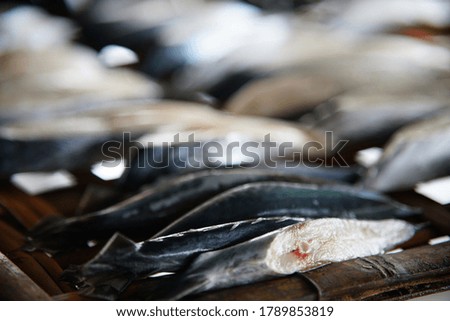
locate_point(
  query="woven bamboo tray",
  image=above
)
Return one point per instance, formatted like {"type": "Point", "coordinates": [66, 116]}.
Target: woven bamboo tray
{"type": "Point", "coordinates": [419, 270]}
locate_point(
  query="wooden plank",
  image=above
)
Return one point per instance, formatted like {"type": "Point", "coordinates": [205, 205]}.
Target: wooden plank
{"type": "Point", "coordinates": [406, 274]}
{"type": "Point", "coordinates": [16, 285]}
{"type": "Point", "coordinates": [27, 210]}
{"type": "Point", "coordinates": [52, 268]}
{"type": "Point", "coordinates": [294, 288]}
{"type": "Point", "coordinates": [11, 242]}
{"type": "Point", "coordinates": [438, 215]}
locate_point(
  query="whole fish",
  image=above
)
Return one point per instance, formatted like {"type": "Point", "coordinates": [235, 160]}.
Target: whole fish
{"type": "Point", "coordinates": [371, 118]}
{"type": "Point", "coordinates": [416, 153]}
{"type": "Point", "coordinates": [152, 164]}
{"type": "Point", "coordinates": [150, 210]}
{"type": "Point", "coordinates": [123, 259]}
{"type": "Point", "coordinates": [74, 137]}
{"type": "Point", "coordinates": [162, 118]}
{"type": "Point", "coordinates": [226, 141]}
{"type": "Point", "coordinates": [292, 249]}
{"type": "Point", "coordinates": [303, 200]}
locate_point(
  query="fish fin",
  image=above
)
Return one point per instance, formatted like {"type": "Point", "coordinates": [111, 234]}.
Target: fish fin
{"type": "Point", "coordinates": [73, 276]}
{"type": "Point", "coordinates": [118, 243]}
{"type": "Point", "coordinates": [103, 265]}
{"type": "Point", "coordinates": [105, 289]}
{"type": "Point", "coordinates": [108, 290]}
{"type": "Point", "coordinates": [101, 277]}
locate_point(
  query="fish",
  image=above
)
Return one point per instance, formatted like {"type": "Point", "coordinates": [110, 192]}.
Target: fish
{"type": "Point", "coordinates": [127, 123]}
{"type": "Point", "coordinates": [32, 28]}
{"type": "Point", "coordinates": [154, 164]}
{"type": "Point", "coordinates": [170, 37]}
{"type": "Point", "coordinates": [370, 118]}
{"type": "Point", "coordinates": [385, 14]}
{"type": "Point", "coordinates": [285, 85]}
{"type": "Point", "coordinates": [341, 175]}
{"type": "Point", "coordinates": [232, 147]}
{"type": "Point", "coordinates": [112, 22]}
{"type": "Point", "coordinates": [265, 199]}
{"type": "Point", "coordinates": [418, 152]}
{"type": "Point", "coordinates": [148, 211]}
{"type": "Point", "coordinates": [227, 141]}
{"type": "Point", "coordinates": [123, 259]}
{"type": "Point", "coordinates": [45, 72]}
{"type": "Point", "coordinates": [293, 90]}
{"type": "Point", "coordinates": [293, 249]}
{"type": "Point", "coordinates": [73, 136]}
{"type": "Point", "coordinates": [52, 80]}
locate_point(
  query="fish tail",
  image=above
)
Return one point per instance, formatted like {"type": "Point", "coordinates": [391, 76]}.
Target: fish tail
{"type": "Point", "coordinates": [73, 276]}
{"type": "Point", "coordinates": [104, 277]}
{"type": "Point", "coordinates": [105, 263]}
{"type": "Point", "coordinates": [107, 290]}
{"type": "Point", "coordinates": [102, 288]}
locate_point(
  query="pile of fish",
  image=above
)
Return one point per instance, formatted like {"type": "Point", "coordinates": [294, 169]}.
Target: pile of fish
{"type": "Point", "coordinates": [221, 112]}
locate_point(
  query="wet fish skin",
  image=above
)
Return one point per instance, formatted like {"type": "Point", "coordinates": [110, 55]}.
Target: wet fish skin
{"type": "Point", "coordinates": [150, 210]}
{"type": "Point", "coordinates": [295, 248]}
{"type": "Point", "coordinates": [416, 153]}
{"type": "Point", "coordinates": [267, 199]}
{"type": "Point", "coordinates": [123, 258]}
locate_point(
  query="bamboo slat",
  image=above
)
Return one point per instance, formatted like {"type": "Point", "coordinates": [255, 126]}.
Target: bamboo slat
{"type": "Point", "coordinates": [16, 285]}
{"type": "Point", "coordinates": [403, 275]}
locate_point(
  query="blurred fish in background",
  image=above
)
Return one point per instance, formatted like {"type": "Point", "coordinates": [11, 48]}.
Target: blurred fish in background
{"type": "Point", "coordinates": [362, 69]}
